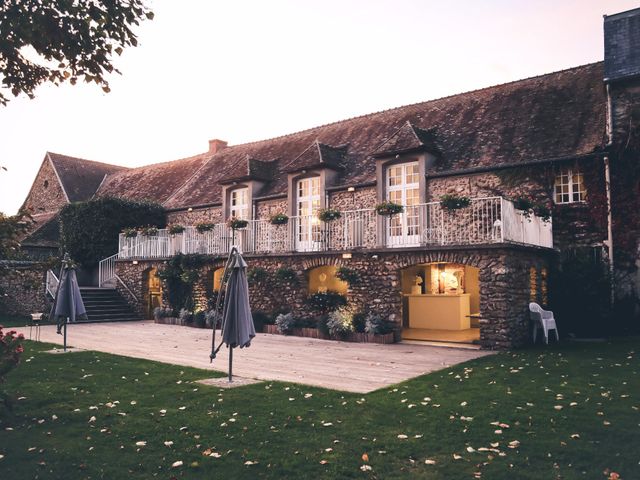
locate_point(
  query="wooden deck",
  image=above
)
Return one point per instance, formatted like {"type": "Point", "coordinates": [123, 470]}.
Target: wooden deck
{"type": "Point", "coordinates": [352, 367]}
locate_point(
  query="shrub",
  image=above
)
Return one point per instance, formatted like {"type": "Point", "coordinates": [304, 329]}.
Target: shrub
{"type": "Point", "coordinates": [321, 324]}
{"type": "Point", "coordinates": [348, 275]}
{"type": "Point", "coordinates": [379, 325]}
{"type": "Point", "coordinates": [130, 233]}
{"type": "Point", "coordinates": [210, 317]}
{"type": "Point", "coordinates": [149, 231]}
{"type": "Point", "coordinates": [200, 319]}
{"type": "Point", "coordinates": [204, 227]}
{"type": "Point", "coordinates": [279, 219]}
{"type": "Point", "coordinates": [359, 322]}
{"type": "Point", "coordinates": [329, 214]}
{"type": "Point", "coordinates": [260, 319]}
{"type": "Point", "coordinates": [185, 316]}
{"type": "Point", "coordinates": [175, 229]}
{"type": "Point", "coordinates": [325, 302]}
{"type": "Point", "coordinates": [10, 351]}
{"type": "Point", "coordinates": [340, 322]}
{"type": "Point", "coordinates": [257, 275]}
{"type": "Point", "coordinates": [523, 203]}
{"type": "Point", "coordinates": [454, 202]}
{"type": "Point", "coordinates": [180, 273]}
{"type": "Point", "coordinates": [285, 323]}
{"type": "Point", "coordinates": [287, 275]}
{"type": "Point", "coordinates": [237, 223]}
{"type": "Point", "coordinates": [389, 209]}
{"type": "Point", "coordinates": [162, 312]}
{"type": "Point", "coordinates": [89, 230]}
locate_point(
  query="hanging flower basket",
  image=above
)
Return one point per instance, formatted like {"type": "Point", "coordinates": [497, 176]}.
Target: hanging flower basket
{"type": "Point", "coordinates": [149, 231]}
{"type": "Point", "coordinates": [237, 223]}
{"type": "Point", "coordinates": [279, 219]}
{"type": "Point", "coordinates": [204, 227]}
{"type": "Point", "coordinates": [329, 214]}
{"type": "Point", "coordinates": [389, 209]}
{"type": "Point", "coordinates": [176, 229]}
{"type": "Point", "coordinates": [454, 202]}
{"type": "Point", "coordinates": [130, 233]}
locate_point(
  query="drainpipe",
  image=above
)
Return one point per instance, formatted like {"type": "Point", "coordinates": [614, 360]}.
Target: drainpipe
{"type": "Point", "coordinates": [607, 181]}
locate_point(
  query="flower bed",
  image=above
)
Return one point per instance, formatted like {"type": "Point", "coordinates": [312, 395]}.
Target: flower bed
{"type": "Point", "coordinates": [354, 337]}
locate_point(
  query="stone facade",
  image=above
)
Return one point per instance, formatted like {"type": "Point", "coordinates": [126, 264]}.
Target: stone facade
{"type": "Point", "coordinates": [505, 284]}
{"type": "Point", "coordinates": [197, 215]}
{"type": "Point", "coordinates": [22, 286]}
{"type": "Point", "coordinates": [46, 195]}
{"type": "Point", "coordinates": [359, 199]}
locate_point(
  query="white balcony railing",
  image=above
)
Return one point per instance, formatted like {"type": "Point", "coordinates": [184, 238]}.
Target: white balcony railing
{"type": "Point", "coordinates": [485, 221]}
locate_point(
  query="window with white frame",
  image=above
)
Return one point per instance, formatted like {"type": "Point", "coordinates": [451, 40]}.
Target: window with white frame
{"type": "Point", "coordinates": [569, 186]}
{"type": "Point", "coordinates": [308, 204]}
{"type": "Point", "coordinates": [403, 188]}
{"type": "Point", "coordinates": [239, 204]}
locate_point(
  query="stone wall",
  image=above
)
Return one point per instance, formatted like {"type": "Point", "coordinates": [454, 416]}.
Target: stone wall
{"type": "Point", "coordinates": [22, 286]}
{"type": "Point", "coordinates": [46, 194]}
{"type": "Point", "coordinates": [361, 198]}
{"type": "Point", "coordinates": [505, 284]}
{"type": "Point", "coordinates": [197, 215]}
{"type": "Point", "coordinates": [266, 208]}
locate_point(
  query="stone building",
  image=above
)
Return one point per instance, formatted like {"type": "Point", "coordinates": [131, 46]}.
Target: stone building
{"type": "Point", "coordinates": [566, 142]}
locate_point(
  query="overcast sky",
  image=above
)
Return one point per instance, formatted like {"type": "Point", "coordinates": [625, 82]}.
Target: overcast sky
{"type": "Point", "coordinates": [250, 70]}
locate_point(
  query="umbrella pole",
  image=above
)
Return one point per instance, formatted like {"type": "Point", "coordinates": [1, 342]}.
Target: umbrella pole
{"type": "Point", "coordinates": [230, 364]}
{"type": "Point", "coordinates": [66, 320]}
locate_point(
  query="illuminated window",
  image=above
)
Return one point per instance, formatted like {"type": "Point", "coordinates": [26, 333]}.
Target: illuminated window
{"type": "Point", "coordinates": [239, 204]}
{"type": "Point", "coordinates": [308, 205]}
{"type": "Point", "coordinates": [569, 187]}
{"type": "Point", "coordinates": [533, 284]}
{"type": "Point", "coordinates": [403, 188]}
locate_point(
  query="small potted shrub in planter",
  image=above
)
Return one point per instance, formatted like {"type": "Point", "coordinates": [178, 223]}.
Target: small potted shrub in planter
{"type": "Point", "coordinates": [377, 325]}
{"type": "Point", "coordinates": [340, 322]}
{"type": "Point", "coordinates": [130, 233]}
{"type": "Point", "coordinates": [329, 214]}
{"type": "Point", "coordinates": [543, 211]}
{"type": "Point", "coordinates": [389, 209]}
{"type": "Point", "coordinates": [285, 323]}
{"type": "Point", "coordinates": [348, 275]}
{"type": "Point", "coordinates": [149, 231]}
{"type": "Point", "coordinates": [204, 227]}
{"type": "Point", "coordinates": [175, 229]}
{"type": "Point", "coordinates": [454, 202]}
{"type": "Point", "coordinates": [279, 219]}
{"type": "Point", "coordinates": [237, 223]}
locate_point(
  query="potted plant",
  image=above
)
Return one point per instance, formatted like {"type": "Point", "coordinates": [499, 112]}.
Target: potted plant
{"type": "Point", "coordinates": [543, 211]}
{"type": "Point", "coordinates": [389, 209]}
{"type": "Point", "coordinates": [130, 233]}
{"type": "Point", "coordinates": [204, 227]}
{"type": "Point", "coordinates": [348, 275]}
{"type": "Point", "coordinates": [454, 202]}
{"type": "Point", "coordinates": [149, 231]}
{"type": "Point", "coordinates": [524, 205]}
{"type": "Point", "coordinates": [329, 214]}
{"type": "Point", "coordinates": [279, 219]}
{"type": "Point", "coordinates": [237, 223]}
{"type": "Point", "coordinates": [175, 229]}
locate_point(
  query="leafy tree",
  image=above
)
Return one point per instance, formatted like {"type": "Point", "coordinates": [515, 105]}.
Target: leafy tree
{"type": "Point", "coordinates": [89, 230]}
{"type": "Point", "coordinates": [64, 40]}
{"type": "Point", "coordinates": [12, 228]}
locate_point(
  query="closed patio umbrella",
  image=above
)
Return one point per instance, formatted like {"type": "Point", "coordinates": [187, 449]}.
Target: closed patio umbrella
{"type": "Point", "coordinates": [237, 321]}
{"type": "Point", "coordinates": [68, 305]}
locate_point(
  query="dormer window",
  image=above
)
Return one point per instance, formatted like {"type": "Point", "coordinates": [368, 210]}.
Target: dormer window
{"type": "Point", "coordinates": [239, 204]}
{"type": "Point", "coordinates": [569, 186]}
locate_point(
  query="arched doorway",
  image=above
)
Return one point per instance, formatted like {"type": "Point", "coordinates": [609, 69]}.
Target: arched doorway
{"type": "Point", "coordinates": [323, 279]}
{"type": "Point", "coordinates": [441, 302]}
{"type": "Point", "coordinates": [152, 291]}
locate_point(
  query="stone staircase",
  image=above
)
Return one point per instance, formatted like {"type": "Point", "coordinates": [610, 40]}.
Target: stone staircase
{"type": "Point", "coordinates": [106, 305]}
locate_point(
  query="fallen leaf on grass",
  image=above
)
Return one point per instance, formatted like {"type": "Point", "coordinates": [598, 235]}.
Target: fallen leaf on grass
{"type": "Point", "coordinates": [402, 436]}
{"type": "Point", "coordinates": [168, 443]}
{"type": "Point", "coordinates": [429, 462]}
{"type": "Point", "coordinates": [366, 468]}
{"type": "Point", "coordinates": [365, 457]}
{"type": "Point", "coordinates": [141, 443]}
{"type": "Point", "coordinates": [177, 464]}
{"type": "Point", "coordinates": [249, 462]}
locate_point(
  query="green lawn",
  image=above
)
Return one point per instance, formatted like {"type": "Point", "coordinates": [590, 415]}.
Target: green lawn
{"type": "Point", "coordinates": [559, 412]}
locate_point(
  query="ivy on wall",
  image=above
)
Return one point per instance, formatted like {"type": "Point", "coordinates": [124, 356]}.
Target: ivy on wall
{"type": "Point", "coordinates": [180, 274]}
{"type": "Point", "coordinates": [89, 230]}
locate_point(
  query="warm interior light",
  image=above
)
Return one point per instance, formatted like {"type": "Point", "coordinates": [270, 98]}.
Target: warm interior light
{"type": "Point", "coordinates": [346, 255]}
{"type": "Point", "coordinates": [351, 189]}
{"type": "Point", "coordinates": [135, 262]}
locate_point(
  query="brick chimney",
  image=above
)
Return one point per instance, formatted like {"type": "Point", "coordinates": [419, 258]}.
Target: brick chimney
{"type": "Point", "coordinates": [216, 145]}
{"type": "Point", "coordinates": [622, 45]}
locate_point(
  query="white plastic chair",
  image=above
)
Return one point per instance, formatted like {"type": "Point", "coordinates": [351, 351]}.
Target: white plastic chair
{"type": "Point", "coordinates": [542, 319]}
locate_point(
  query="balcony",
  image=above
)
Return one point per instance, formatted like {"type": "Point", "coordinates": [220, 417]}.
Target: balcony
{"type": "Point", "coordinates": [485, 221]}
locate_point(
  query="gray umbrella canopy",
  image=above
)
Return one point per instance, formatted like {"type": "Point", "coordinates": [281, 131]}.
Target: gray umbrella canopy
{"type": "Point", "coordinates": [68, 302]}
{"type": "Point", "coordinates": [238, 329]}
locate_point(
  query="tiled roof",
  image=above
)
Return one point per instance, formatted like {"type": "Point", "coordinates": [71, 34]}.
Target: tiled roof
{"type": "Point", "coordinates": [46, 234]}
{"type": "Point", "coordinates": [550, 116]}
{"type": "Point", "coordinates": [408, 138]}
{"type": "Point", "coordinates": [80, 178]}
{"type": "Point", "coordinates": [250, 169]}
{"type": "Point", "coordinates": [156, 182]}
{"type": "Point", "coordinates": [318, 155]}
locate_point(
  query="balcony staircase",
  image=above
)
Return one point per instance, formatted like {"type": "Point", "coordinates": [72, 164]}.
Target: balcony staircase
{"type": "Point", "coordinates": [106, 305]}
